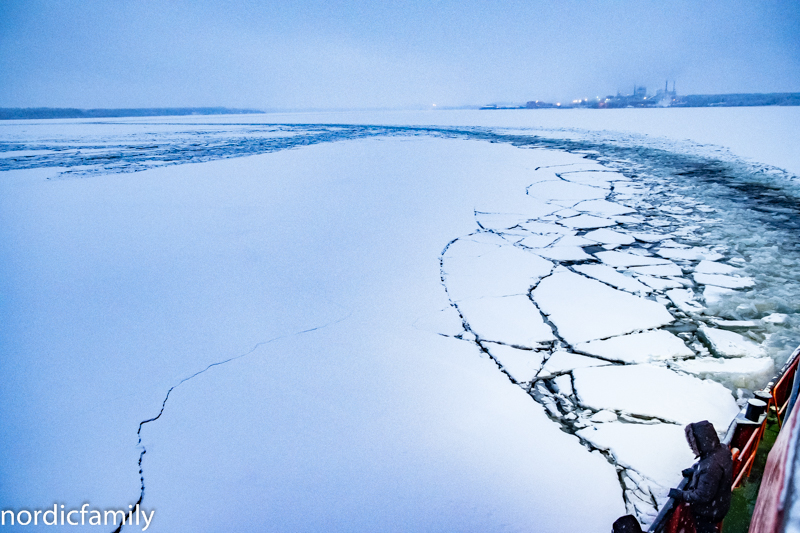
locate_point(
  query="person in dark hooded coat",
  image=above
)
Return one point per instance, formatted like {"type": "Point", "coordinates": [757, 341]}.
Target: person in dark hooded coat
{"type": "Point", "coordinates": [709, 491]}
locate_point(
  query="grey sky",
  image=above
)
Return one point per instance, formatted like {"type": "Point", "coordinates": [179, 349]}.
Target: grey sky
{"type": "Point", "coordinates": [336, 53]}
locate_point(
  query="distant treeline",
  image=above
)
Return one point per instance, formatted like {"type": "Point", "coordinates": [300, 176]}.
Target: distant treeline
{"type": "Point", "coordinates": [735, 100]}
{"type": "Point", "coordinates": [57, 112]}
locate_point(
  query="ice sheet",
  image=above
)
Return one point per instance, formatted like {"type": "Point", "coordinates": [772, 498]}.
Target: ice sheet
{"type": "Point", "coordinates": [313, 274]}
{"type": "Point", "coordinates": [587, 222]}
{"type": "Point", "coordinates": [712, 267]}
{"type": "Point", "coordinates": [607, 236]}
{"type": "Point", "coordinates": [746, 372]}
{"type": "Point", "coordinates": [650, 237]}
{"type": "Point", "coordinates": [490, 268]}
{"type": "Point", "coordinates": [359, 266]}
{"type": "Point", "coordinates": [729, 343]}
{"type": "Point", "coordinates": [685, 300]}
{"type": "Point", "coordinates": [666, 270]}
{"type": "Point", "coordinates": [659, 284]}
{"type": "Point", "coordinates": [622, 259]}
{"type": "Point", "coordinates": [654, 391]}
{"type": "Point", "coordinates": [593, 178]}
{"type": "Point", "coordinates": [564, 190]}
{"type": "Point", "coordinates": [638, 347]}
{"type": "Point", "coordinates": [563, 253]}
{"type": "Point", "coordinates": [728, 282]}
{"type": "Point", "coordinates": [583, 309]}
{"type": "Point", "coordinates": [510, 320]}
{"type": "Point", "coordinates": [658, 452]}
{"type": "Point", "coordinates": [561, 361]}
{"type": "Point", "coordinates": [603, 208]}
{"type": "Point", "coordinates": [714, 295]}
{"type": "Point", "coordinates": [523, 365]}
{"type": "Point", "coordinates": [691, 254]}
{"type": "Point", "coordinates": [612, 277]}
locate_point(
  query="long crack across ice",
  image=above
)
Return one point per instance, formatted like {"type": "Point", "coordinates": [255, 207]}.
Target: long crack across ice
{"type": "Point", "coordinates": [199, 372]}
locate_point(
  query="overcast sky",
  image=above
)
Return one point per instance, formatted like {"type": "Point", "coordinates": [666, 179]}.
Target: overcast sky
{"type": "Point", "coordinates": [404, 53]}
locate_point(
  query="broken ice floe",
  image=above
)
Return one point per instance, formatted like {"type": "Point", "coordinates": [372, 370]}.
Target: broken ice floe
{"type": "Point", "coordinates": [712, 267]}
{"type": "Point", "coordinates": [564, 190]}
{"type": "Point", "coordinates": [745, 373]}
{"type": "Point", "coordinates": [583, 309]}
{"type": "Point", "coordinates": [692, 254]}
{"type": "Point", "coordinates": [510, 320]}
{"type": "Point", "coordinates": [714, 295]}
{"type": "Point", "coordinates": [622, 259]}
{"type": "Point", "coordinates": [602, 312]}
{"type": "Point", "coordinates": [729, 344]}
{"type": "Point", "coordinates": [637, 347]}
{"type": "Point", "coordinates": [561, 361]}
{"type": "Point", "coordinates": [603, 208]}
{"type": "Point", "coordinates": [649, 450]}
{"type": "Point", "coordinates": [607, 236]}
{"type": "Point", "coordinates": [613, 277]}
{"type": "Point", "coordinates": [684, 299]}
{"type": "Point", "coordinates": [521, 365]}
{"type": "Point", "coordinates": [649, 391]}
{"type": "Point", "coordinates": [720, 280]}
{"type": "Point", "coordinates": [562, 253]}
{"type": "Point", "coordinates": [587, 222]}
{"type": "Point", "coordinates": [493, 267]}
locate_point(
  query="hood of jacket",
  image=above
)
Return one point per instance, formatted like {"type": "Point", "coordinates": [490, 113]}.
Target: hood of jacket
{"type": "Point", "coordinates": [702, 437]}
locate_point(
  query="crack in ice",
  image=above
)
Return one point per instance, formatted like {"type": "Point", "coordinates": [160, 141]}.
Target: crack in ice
{"type": "Point", "coordinates": [199, 372]}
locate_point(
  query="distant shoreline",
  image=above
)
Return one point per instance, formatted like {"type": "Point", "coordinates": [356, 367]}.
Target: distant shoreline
{"type": "Point", "coordinates": [27, 113]}
{"type": "Point", "coordinates": [661, 99]}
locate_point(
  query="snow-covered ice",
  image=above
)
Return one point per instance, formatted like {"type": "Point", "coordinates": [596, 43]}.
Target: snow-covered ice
{"type": "Point", "coordinates": [603, 208]}
{"type": "Point", "coordinates": [623, 259]}
{"type": "Point", "coordinates": [637, 347]}
{"type": "Point", "coordinates": [662, 270]}
{"type": "Point", "coordinates": [607, 236]}
{"type": "Point", "coordinates": [650, 450]}
{"type": "Point", "coordinates": [561, 361]}
{"type": "Point", "coordinates": [746, 372]}
{"type": "Point", "coordinates": [587, 222]}
{"type": "Point", "coordinates": [510, 320]}
{"type": "Point", "coordinates": [349, 386]}
{"type": "Point", "coordinates": [712, 267]}
{"type": "Point", "coordinates": [713, 294]}
{"type": "Point", "coordinates": [564, 190]}
{"type": "Point", "coordinates": [720, 280]}
{"type": "Point", "coordinates": [684, 299]}
{"type": "Point", "coordinates": [475, 268]}
{"type": "Point", "coordinates": [729, 343]}
{"type": "Point", "coordinates": [613, 278]}
{"type": "Point", "coordinates": [584, 309]}
{"type": "Point", "coordinates": [522, 365]}
{"type": "Point", "coordinates": [692, 254]}
{"type": "Point", "coordinates": [563, 253]}
{"type": "Point", "coordinates": [655, 392]}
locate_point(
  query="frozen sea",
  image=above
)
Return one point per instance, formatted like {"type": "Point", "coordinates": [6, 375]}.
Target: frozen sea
{"type": "Point", "coordinates": [439, 321]}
